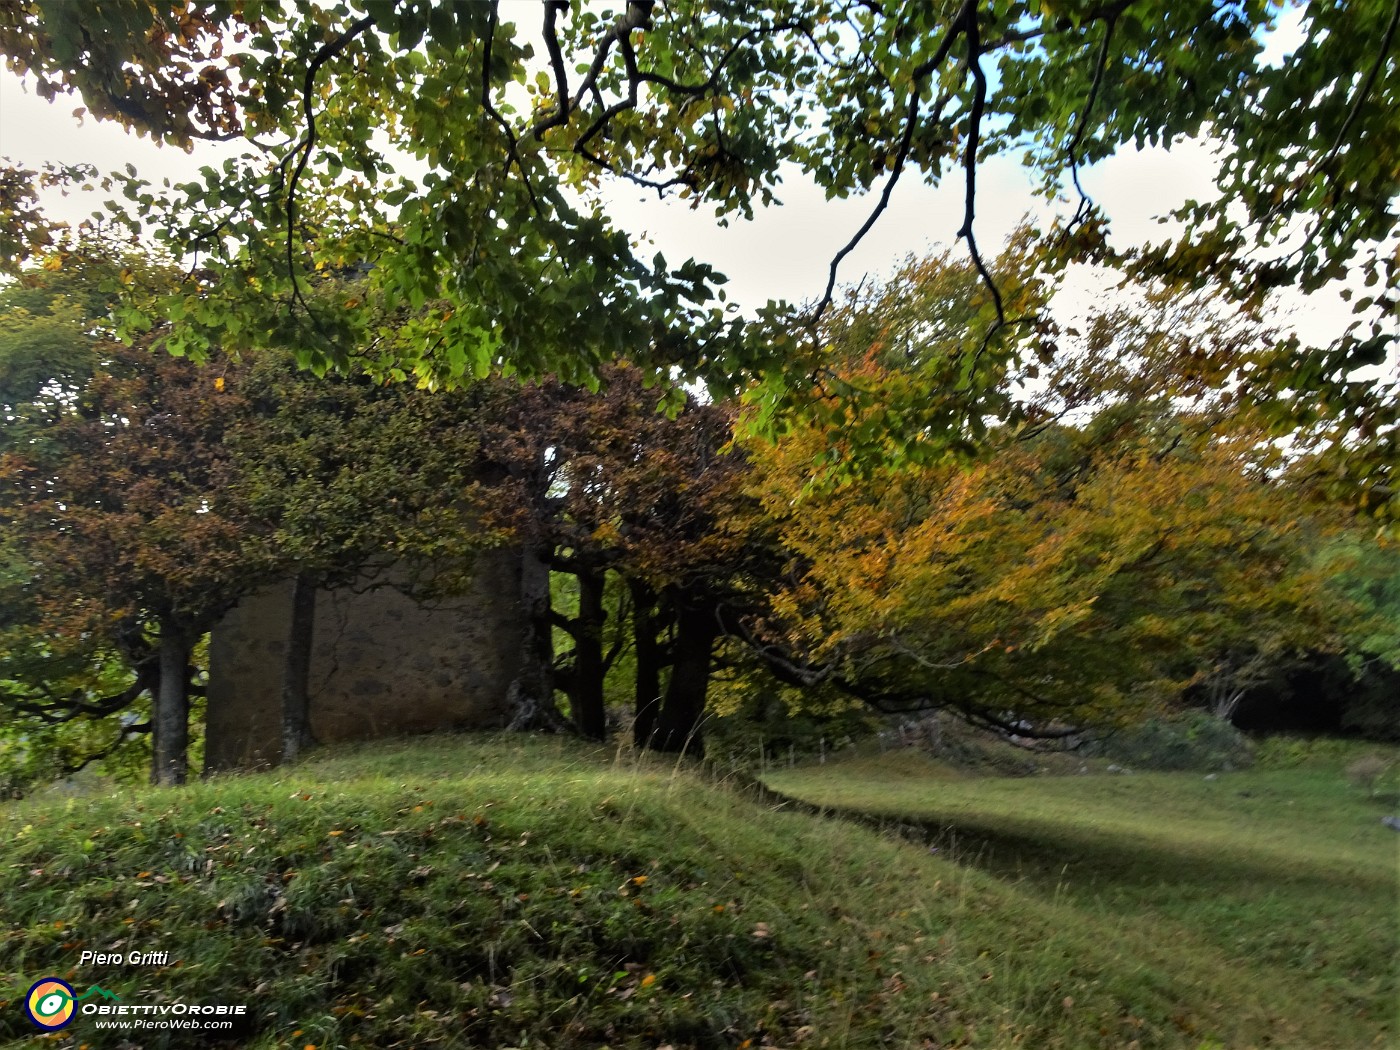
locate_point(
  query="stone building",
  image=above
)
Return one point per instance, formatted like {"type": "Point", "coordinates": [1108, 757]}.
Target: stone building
{"type": "Point", "coordinates": [384, 662]}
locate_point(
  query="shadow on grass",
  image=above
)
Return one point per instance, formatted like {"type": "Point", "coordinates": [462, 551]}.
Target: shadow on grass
{"type": "Point", "coordinates": [1088, 862]}
{"type": "Point", "coordinates": [1331, 925]}
{"type": "Point", "coordinates": [1053, 854]}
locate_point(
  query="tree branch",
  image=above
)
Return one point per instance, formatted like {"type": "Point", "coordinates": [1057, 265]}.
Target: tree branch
{"type": "Point", "coordinates": [974, 133]}
{"type": "Point", "coordinates": [70, 768]}
{"type": "Point", "coordinates": [906, 142]}
{"type": "Point", "coordinates": [304, 149]}
{"type": "Point", "coordinates": [637, 16]}
{"type": "Point", "coordinates": [984, 719]}
{"type": "Point", "coordinates": [513, 145]}
{"type": "Point", "coordinates": [57, 710]}
{"type": "Point", "coordinates": [1085, 201]}
{"type": "Point", "coordinates": [552, 8]}
{"type": "Point", "coordinates": [1353, 112]}
{"type": "Point", "coordinates": [1364, 93]}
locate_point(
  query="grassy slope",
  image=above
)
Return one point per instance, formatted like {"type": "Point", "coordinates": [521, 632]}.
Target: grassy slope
{"type": "Point", "coordinates": [1286, 875]}
{"type": "Point", "coordinates": [498, 892]}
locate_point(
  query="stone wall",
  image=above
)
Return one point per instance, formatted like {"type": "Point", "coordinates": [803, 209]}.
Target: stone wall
{"type": "Point", "coordinates": [383, 663]}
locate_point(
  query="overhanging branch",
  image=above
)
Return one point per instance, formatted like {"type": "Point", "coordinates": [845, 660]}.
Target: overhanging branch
{"type": "Point", "coordinates": [303, 150]}
{"type": "Point", "coordinates": [906, 142]}
{"type": "Point", "coordinates": [1101, 63]}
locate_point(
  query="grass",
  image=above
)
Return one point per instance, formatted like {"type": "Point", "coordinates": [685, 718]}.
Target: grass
{"type": "Point", "coordinates": [1285, 875]}
{"type": "Point", "coordinates": [511, 892]}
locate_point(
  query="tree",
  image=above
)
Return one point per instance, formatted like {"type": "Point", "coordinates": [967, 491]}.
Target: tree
{"type": "Point", "coordinates": [508, 259]}
{"type": "Point", "coordinates": [1133, 534]}
{"type": "Point", "coordinates": [604, 485]}
{"type": "Point", "coordinates": [118, 512]}
{"type": "Point", "coordinates": [1053, 584]}
{"type": "Point", "coordinates": [69, 698]}
{"type": "Point", "coordinates": [343, 476]}
{"type": "Point", "coordinates": [144, 495]}
{"type": "Point", "coordinates": [1367, 571]}
{"type": "Point", "coordinates": [1365, 677]}
{"type": "Point", "coordinates": [64, 702]}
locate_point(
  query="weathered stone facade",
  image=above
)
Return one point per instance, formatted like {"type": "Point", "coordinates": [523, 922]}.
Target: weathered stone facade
{"type": "Point", "coordinates": [383, 663]}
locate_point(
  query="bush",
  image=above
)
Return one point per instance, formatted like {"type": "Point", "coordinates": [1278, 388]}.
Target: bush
{"type": "Point", "coordinates": [750, 727]}
{"type": "Point", "coordinates": [1192, 740]}
{"type": "Point", "coordinates": [1371, 705]}
{"type": "Point", "coordinates": [1365, 771]}
{"type": "Point", "coordinates": [1290, 752]}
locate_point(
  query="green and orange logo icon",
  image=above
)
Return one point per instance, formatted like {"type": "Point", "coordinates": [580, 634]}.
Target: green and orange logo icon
{"type": "Point", "coordinates": [50, 1004]}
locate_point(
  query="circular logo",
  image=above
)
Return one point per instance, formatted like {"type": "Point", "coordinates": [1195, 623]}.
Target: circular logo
{"type": "Point", "coordinates": [49, 1004]}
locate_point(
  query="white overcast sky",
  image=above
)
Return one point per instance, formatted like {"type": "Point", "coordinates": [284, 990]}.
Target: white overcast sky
{"type": "Point", "coordinates": [784, 251]}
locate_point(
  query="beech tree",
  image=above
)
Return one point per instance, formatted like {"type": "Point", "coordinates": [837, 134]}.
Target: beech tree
{"type": "Point", "coordinates": [143, 495]}
{"type": "Point", "coordinates": [601, 485]}
{"type": "Point", "coordinates": [342, 476]}
{"type": "Point", "coordinates": [1060, 581]}
{"type": "Point", "coordinates": [64, 702]}
{"type": "Point", "coordinates": [1134, 533]}
{"type": "Point", "coordinates": [453, 153]}
{"type": "Point", "coordinates": [116, 508]}
{"type": "Point", "coordinates": [168, 491]}
{"type": "Point", "coordinates": [67, 696]}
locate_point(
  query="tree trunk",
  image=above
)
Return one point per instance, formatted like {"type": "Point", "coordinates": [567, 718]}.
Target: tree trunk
{"type": "Point", "coordinates": [1226, 702]}
{"type": "Point", "coordinates": [586, 692]}
{"type": "Point", "coordinates": [649, 663]}
{"type": "Point", "coordinates": [1224, 692]}
{"type": "Point", "coordinates": [296, 672]}
{"type": "Point", "coordinates": [678, 722]}
{"type": "Point", "coordinates": [170, 724]}
{"type": "Point", "coordinates": [531, 696]}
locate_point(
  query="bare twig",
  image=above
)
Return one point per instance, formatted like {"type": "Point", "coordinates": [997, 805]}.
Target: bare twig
{"type": "Point", "coordinates": [1085, 201]}
{"type": "Point", "coordinates": [906, 142]}
{"type": "Point", "coordinates": [974, 133]}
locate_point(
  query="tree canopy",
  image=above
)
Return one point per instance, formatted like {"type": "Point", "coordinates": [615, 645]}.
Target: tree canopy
{"type": "Point", "coordinates": [1132, 539]}
{"type": "Point", "coordinates": [141, 496]}
{"type": "Point", "coordinates": [450, 154]}
{"type": "Point", "coordinates": [599, 486]}
{"type": "Point", "coordinates": [419, 199]}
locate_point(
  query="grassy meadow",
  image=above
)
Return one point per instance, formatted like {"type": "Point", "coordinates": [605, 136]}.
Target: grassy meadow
{"type": "Point", "coordinates": [499, 892]}
{"type": "Point", "coordinates": [1283, 871]}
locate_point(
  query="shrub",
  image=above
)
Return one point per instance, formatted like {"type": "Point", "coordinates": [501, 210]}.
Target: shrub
{"type": "Point", "coordinates": [1191, 740]}
{"type": "Point", "coordinates": [1290, 752]}
{"type": "Point", "coordinates": [751, 727]}
{"type": "Point", "coordinates": [1367, 770]}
